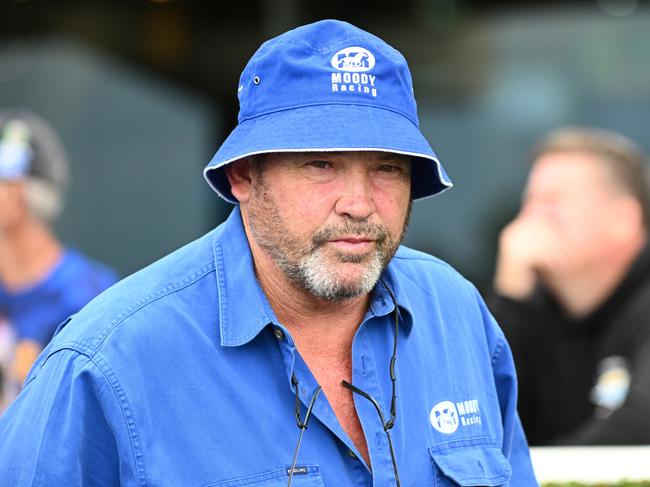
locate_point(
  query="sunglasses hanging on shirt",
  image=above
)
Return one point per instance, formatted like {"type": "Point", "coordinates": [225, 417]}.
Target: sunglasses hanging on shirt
{"type": "Point", "coordinates": [387, 425]}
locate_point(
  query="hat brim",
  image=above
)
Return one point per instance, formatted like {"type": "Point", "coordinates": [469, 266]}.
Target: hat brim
{"type": "Point", "coordinates": [325, 128]}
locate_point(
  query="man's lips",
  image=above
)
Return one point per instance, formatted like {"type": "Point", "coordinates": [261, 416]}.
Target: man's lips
{"type": "Point", "coordinates": [352, 243]}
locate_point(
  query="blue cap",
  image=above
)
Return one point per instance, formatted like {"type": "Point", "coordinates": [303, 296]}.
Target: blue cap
{"type": "Point", "coordinates": [16, 153]}
{"type": "Point", "coordinates": [31, 149]}
{"type": "Point", "coordinates": [328, 86]}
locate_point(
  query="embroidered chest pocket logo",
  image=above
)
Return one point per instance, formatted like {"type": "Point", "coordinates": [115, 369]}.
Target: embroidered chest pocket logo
{"type": "Point", "coordinates": [444, 417]}
{"type": "Point", "coordinates": [447, 416]}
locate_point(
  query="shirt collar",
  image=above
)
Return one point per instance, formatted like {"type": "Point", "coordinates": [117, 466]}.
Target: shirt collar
{"type": "Point", "coordinates": [381, 302]}
{"type": "Point", "coordinates": [244, 309]}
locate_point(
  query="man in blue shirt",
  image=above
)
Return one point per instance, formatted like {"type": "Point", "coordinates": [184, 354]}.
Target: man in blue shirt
{"type": "Point", "coordinates": [41, 281]}
{"type": "Point", "coordinates": [297, 343]}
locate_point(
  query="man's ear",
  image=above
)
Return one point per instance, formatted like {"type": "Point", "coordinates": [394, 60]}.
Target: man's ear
{"type": "Point", "coordinates": [239, 175]}
{"type": "Point", "coordinates": [627, 221]}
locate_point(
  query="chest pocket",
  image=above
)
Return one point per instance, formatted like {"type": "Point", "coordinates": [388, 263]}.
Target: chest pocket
{"type": "Point", "coordinates": [305, 476]}
{"type": "Point", "coordinates": [468, 466]}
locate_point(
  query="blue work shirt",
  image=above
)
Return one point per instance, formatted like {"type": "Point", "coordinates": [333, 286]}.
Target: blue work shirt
{"type": "Point", "coordinates": [180, 375]}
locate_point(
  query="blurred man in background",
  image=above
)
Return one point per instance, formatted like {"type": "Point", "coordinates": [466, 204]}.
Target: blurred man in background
{"type": "Point", "coordinates": [41, 282]}
{"type": "Point", "coordinates": [572, 291]}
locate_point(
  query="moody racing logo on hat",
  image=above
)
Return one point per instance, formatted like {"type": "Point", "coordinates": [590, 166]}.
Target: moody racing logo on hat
{"type": "Point", "coordinates": [351, 64]}
{"type": "Point", "coordinates": [447, 416]}
{"type": "Point", "coordinates": [353, 59]}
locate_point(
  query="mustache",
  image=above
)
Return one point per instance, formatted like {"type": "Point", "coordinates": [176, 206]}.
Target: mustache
{"type": "Point", "coordinates": [350, 228]}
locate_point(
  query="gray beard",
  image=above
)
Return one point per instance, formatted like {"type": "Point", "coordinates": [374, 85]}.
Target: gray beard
{"type": "Point", "coordinates": [313, 272]}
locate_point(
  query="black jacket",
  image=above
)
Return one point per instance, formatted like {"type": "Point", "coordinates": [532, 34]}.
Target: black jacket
{"type": "Point", "coordinates": [559, 361]}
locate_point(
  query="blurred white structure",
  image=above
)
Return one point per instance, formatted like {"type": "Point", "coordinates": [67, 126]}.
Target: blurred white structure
{"type": "Point", "coordinates": [591, 464]}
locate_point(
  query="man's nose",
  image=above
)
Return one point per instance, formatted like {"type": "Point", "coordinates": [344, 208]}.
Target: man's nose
{"type": "Point", "coordinates": [356, 199]}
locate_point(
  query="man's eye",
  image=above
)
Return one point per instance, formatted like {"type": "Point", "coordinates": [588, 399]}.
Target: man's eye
{"type": "Point", "coordinates": [320, 164]}
{"type": "Point", "coordinates": [389, 168]}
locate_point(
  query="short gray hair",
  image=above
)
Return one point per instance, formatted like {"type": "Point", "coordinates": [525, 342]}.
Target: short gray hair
{"type": "Point", "coordinates": [44, 200]}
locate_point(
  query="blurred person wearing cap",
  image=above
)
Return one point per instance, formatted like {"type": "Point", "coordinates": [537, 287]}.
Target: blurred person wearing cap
{"type": "Point", "coordinates": [572, 291]}
{"type": "Point", "coordinates": [41, 281]}
{"type": "Point", "coordinates": [297, 343]}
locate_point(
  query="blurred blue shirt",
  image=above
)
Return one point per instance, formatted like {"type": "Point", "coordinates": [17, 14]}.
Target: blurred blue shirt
{"type": "Point", "coordinates": [35, 312]}
{"type": "Point", "coordinates": [181, 375]}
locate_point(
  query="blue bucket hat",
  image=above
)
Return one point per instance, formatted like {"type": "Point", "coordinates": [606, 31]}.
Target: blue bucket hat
{"type": "Point", "coordinates": [328, 86]}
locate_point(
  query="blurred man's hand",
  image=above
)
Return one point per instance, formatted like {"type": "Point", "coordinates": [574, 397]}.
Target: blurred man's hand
{"type": "Point", "coordinates": [528, 247]}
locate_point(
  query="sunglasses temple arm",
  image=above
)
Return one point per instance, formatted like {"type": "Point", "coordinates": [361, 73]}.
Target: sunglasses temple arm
{"type": "Point", "coordinates": [303, 427]}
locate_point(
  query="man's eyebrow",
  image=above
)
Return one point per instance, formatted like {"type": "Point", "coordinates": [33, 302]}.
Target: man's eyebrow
{"type": "Point", "coordinates": [391, 156]}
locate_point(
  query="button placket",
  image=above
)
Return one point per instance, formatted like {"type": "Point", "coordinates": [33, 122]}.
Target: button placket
{"type": "Point", "coordinates": [279, 334]}
{"type": "Point", "coordinates": [366, 377]}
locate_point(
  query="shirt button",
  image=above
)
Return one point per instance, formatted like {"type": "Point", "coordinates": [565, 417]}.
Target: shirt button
{"type": "Point", "coordinates": [279, 334]}
{"type": "Point", "coordinates": [352, 455]}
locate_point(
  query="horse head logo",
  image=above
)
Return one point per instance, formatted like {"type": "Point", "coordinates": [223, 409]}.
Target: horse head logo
{"type": "Point", "coordinates": [353, 59]}
{"type": "Point", "coordinates": [444, 417]}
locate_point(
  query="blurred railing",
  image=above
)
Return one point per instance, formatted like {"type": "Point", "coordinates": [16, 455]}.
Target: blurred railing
{"type": "Point", "coordinates": [592, 464]}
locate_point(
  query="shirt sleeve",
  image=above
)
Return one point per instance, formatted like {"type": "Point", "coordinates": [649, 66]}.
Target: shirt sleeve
{"type": "Point", "coordinates": [67, 427]}
{"type": "Point", "coordinates": [518, 322]}
{"type": "Point", "coordinates": [511, 314]}
{"type": "Point", "coordinates": [515, 446]}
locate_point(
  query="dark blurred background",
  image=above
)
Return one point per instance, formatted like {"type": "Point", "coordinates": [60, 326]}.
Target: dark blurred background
{"type": "Point", "coordinates": [143, 93]}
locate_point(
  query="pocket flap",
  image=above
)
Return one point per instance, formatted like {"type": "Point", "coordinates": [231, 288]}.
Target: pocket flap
{"type": "Point", "coordinates": [473, 466]}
